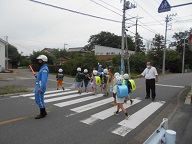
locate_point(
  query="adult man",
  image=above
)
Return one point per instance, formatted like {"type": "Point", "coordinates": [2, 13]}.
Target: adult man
{"type": "Point", "coordinates": [151, 77]}
{"type": "Point", "coordinates": [40, 88]}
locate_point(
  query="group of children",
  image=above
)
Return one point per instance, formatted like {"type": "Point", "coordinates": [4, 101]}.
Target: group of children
{"type": "Point", "coordinates": [121, 85]}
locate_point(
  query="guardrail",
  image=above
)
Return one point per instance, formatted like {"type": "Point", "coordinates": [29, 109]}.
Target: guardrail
{"type": "Point", "coordinates": [162, 135]}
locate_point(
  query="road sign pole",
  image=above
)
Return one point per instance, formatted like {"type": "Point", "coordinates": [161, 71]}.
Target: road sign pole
{"type": "Point", "coordinates": [183, 61]}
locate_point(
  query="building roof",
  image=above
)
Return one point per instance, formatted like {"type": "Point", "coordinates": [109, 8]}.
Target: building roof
{"type": "Point", "coordinates": [50, 50]}
{"type": "Point", "coordinates": [3, 41]}
{"type": "Point", "coordinates": [77, 49]}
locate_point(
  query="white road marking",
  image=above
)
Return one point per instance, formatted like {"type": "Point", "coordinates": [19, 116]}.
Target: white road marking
{"type": "Point", "coordinates": [57, 94]}
{"type": "Point", "coordinates": [63, 81]}
{"type": "Point", "coordinates": [92, 105]}
{"type": "Point", "coordinates": [67, 103]}
{"type": "Point", "coordinates": [106, 113]}
{"type": "Point", "coordinates": [137, 118]}
{"type": "Point", "coordinates": [174, 86]}
{"type": "Point", "coordinates": [65, 97]}
{"type": "Point", "coordinates": [47, 92]}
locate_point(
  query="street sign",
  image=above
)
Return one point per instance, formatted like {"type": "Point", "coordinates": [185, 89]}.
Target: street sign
{"type": "Point", "coordinates": [164, 6]}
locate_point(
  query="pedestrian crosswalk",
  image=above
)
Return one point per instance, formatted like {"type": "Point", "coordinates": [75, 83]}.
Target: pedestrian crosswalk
{"type": "Point", "coordinates": [63, 99]}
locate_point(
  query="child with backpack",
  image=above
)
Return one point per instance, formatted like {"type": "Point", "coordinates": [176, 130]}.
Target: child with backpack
{"type": "Point", "coordinates": [128, 84]}
{"type": "Point", "coordinates": [122, 92]}
{"type": "Point", "coordinates": [114, 91]}
{"type": "Point", "coordinates": [95, 81]}
{"type": "Point", "coordinates": [59, 78]}
{"type": "Point", "coordinates": [87, 79]}
{"type": "Point", "coordinates": [105, 82]}
{"type": "Point", "coordinates": [79, 78]}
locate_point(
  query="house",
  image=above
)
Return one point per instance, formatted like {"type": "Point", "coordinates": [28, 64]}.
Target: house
{"type": "Point", "coordinates": [3, 58]}
{"type": "Point", "coordinates": [105, 53]}
{"type": "Point", "coordinates": [62, 60]}
{"type": "Point", "coordinates": [77, 49]}
{"type": "Point", "coordinates": [49, 50]}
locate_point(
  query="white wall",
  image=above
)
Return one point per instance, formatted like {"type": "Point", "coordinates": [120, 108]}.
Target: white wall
{"type": "Point", "coordinates": [102, 50]}
{"type": "Point", "coordinates": [2, 54]}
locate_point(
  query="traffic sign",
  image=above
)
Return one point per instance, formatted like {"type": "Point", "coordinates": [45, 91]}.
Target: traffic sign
{"type": "Point", "coordinates": [164, 6]}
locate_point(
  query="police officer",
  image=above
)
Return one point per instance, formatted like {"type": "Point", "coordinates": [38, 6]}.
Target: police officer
{"type": "Point", "coordinates": [40, 88]}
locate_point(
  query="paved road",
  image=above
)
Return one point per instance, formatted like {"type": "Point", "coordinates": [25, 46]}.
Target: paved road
{"type": "Point", "coordinates": [87, 119]}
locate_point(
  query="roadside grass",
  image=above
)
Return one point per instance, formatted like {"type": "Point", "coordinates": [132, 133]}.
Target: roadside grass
{"type": "Point", "coordinates": [11, 89]}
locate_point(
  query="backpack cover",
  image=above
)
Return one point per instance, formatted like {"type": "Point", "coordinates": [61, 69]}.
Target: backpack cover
{"type": "Point", "coordinates": [133, 85]}
{"type": "Point", "coordinates": [98, 80]}
{"type": "Point", "coordinates": [122, 91]}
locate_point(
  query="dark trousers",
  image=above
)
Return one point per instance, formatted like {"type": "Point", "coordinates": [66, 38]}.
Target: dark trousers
{"type": "Point", "coordinates": [150, 85]}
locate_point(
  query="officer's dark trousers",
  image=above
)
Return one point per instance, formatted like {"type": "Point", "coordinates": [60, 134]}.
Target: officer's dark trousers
{"type": "Point", "coordinates": [150, 85]}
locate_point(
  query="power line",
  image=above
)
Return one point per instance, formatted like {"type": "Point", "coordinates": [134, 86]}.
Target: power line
{"type": "Point", "coordinates": [73, 11]}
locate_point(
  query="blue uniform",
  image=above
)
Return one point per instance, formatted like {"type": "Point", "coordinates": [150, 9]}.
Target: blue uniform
{"type": "Point", "coordinates": [100, 70]}
{"type": "Point", "coordinates": [41, 81]}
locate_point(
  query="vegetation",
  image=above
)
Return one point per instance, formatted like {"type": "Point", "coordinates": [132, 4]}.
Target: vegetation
{"type": "Point", "coordinates": [11, 89]}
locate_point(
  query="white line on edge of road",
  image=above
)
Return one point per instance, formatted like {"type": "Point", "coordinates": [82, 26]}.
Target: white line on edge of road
{"type": "Point", "coordinates": [169, 86]}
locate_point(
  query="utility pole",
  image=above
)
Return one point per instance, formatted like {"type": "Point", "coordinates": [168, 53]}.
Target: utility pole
{"type": "Point", "coordinates": [136, 36]}
{"type": "Point", "coordinates": [122, 40]}
{"type": "Point", "coordinates": [167, 20]}
{"type": "Point", "coordinates": [126, 5]}
{"type": "Point", "coordinates": [7, 60]}
{"type": "Point", "coordinates": [164, 50]}
{"type": "Point", "coordinates": [65, 45]}
{"type": "Point", "coordinates": [183, 61]}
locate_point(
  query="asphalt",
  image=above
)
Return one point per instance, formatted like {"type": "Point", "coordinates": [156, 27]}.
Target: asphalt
{"type": "Point", "coordinates": [18, 125]}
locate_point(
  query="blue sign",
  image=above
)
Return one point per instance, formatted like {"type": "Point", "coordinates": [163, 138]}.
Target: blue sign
{"type": "Point", "coordinates": [164, 6]}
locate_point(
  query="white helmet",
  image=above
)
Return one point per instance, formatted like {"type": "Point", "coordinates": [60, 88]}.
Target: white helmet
{"type": "Point", "coordinates": [116, 74]}
{"type": "Point", "coordinates": [126, 76]}
{"type": "Point", "coordinates": [119, 80]}
{"type": "Point", "coordinates": [85, 70]}
{"type": "Point", "coordinates": [78, 69]}
{"type": "Point", "coordinates": [105, 71]}
{"type": "Point", "coordinates": [60, 70]}
{"type": "Point", "coordinates": [94, 72]}
{"type": "Point", "coordinates": [43, 58]}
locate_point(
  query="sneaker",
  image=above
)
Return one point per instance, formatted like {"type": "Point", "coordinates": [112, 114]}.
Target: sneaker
{"type": "Point", "coordinates": [63, 88]}
{"type": "Point", "coordinates": [104, 95]}
{"type": "Point", "coordinates": [127, 117]}
{"type": "Point", "coordinates": [57, 89]}
{"type": "Point", "coordinates": [131, 102]}
{"type": "Point", "coordinates": [147, 97]}
{"type": "Point", "coordinates": [116, 113]}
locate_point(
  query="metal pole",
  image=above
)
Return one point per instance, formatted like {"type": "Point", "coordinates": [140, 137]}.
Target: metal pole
{"type": "Point", "coordinates": [164, 51]}
{"type": "Point", "coordinates": [122, 41]}
{"type": "Point", "coordinates": [7, 61]}
{"type": "Point", "coordinates": [127, 49]}
{"type": "Point", "coordinates": [183, 62]}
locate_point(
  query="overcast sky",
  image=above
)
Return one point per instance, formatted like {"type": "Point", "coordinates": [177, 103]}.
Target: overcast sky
{"type": "Point", "coordinates": [31, 26]}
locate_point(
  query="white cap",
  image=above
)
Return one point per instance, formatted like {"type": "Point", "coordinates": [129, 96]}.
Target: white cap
{"type": "Point", "coordinates": [119, 80]}
{"type": "Point", "coordinates": [116, 74]}
{"type": "Point", "coordinates": [60, 70]}
{"type": "Point", "coordinates": [126, 76]}
{"type": "Point", "coordinates": [94, 72]}
{"type": "Point", "coordinates": [43, 58]}
{"type": "Point", "coordinates": [79, 69]}
{"type": "Point", "coordinates": [105, 71]}
{"type": "Point", "coordinates": [85, 70]}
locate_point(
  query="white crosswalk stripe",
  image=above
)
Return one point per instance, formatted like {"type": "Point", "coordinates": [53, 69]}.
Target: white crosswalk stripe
{"type": "Point", "coordinates": [67, 103]}
{"type": "Point", "coordinates": [105, 114]}
{"type": "Point", "coordinates": [137, 118]}
{"type": "Point", "coordinates": [69, 97]}
{"type": "Point", "coordinates": [47, 92]}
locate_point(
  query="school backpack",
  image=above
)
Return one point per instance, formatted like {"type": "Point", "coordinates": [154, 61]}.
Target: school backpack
{"type": "Point", "coordinates": [133, 85]}
{"type": "Point", "coordinates": [122, 91]}
{"type": "Point", "coordinates": [60, 76]}
{"type": "Point", "coordinates": [98, 80]}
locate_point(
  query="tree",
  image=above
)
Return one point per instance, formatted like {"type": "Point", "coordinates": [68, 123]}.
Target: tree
{"type": "Point", "coordinates": [60, 53]}
{"type": "Point", "coordinates": [140, 46]}
{"type": "Point", "coordinates": [156, 52]}
{"type": "Point", "coordinates": [179, 45]}
{"type": "Point", "coordinates": [105, 39]}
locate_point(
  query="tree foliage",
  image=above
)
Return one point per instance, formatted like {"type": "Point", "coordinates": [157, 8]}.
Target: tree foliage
{"type": "Point", "coordinates": [140, 47]}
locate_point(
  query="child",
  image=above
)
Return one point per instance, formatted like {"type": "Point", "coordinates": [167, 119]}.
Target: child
{"type": "Point", "coordinates": [114, 84]}
{"type": "Point", "coordinates": [120, 98]}
{"type": "Point", "coordinates": [104, 82]}
{"type": "Point", "coordinates": [128, 84]}
{"type": "Point", "coordinates": [79, 77]}
{"type": "Point", "coordinates": [95, 81]}
{"type": "Point", "coordinates": [86, 80]}
{"type": "Point", "coordinates": [59, 78]}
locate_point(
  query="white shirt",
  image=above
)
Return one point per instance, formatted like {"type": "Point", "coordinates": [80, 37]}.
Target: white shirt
{"type": "Point", "coordinates": [150, 73]}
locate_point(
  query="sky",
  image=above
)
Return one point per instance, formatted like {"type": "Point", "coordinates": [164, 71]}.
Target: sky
{"type": "Point", "coordinates": [33, 27]}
